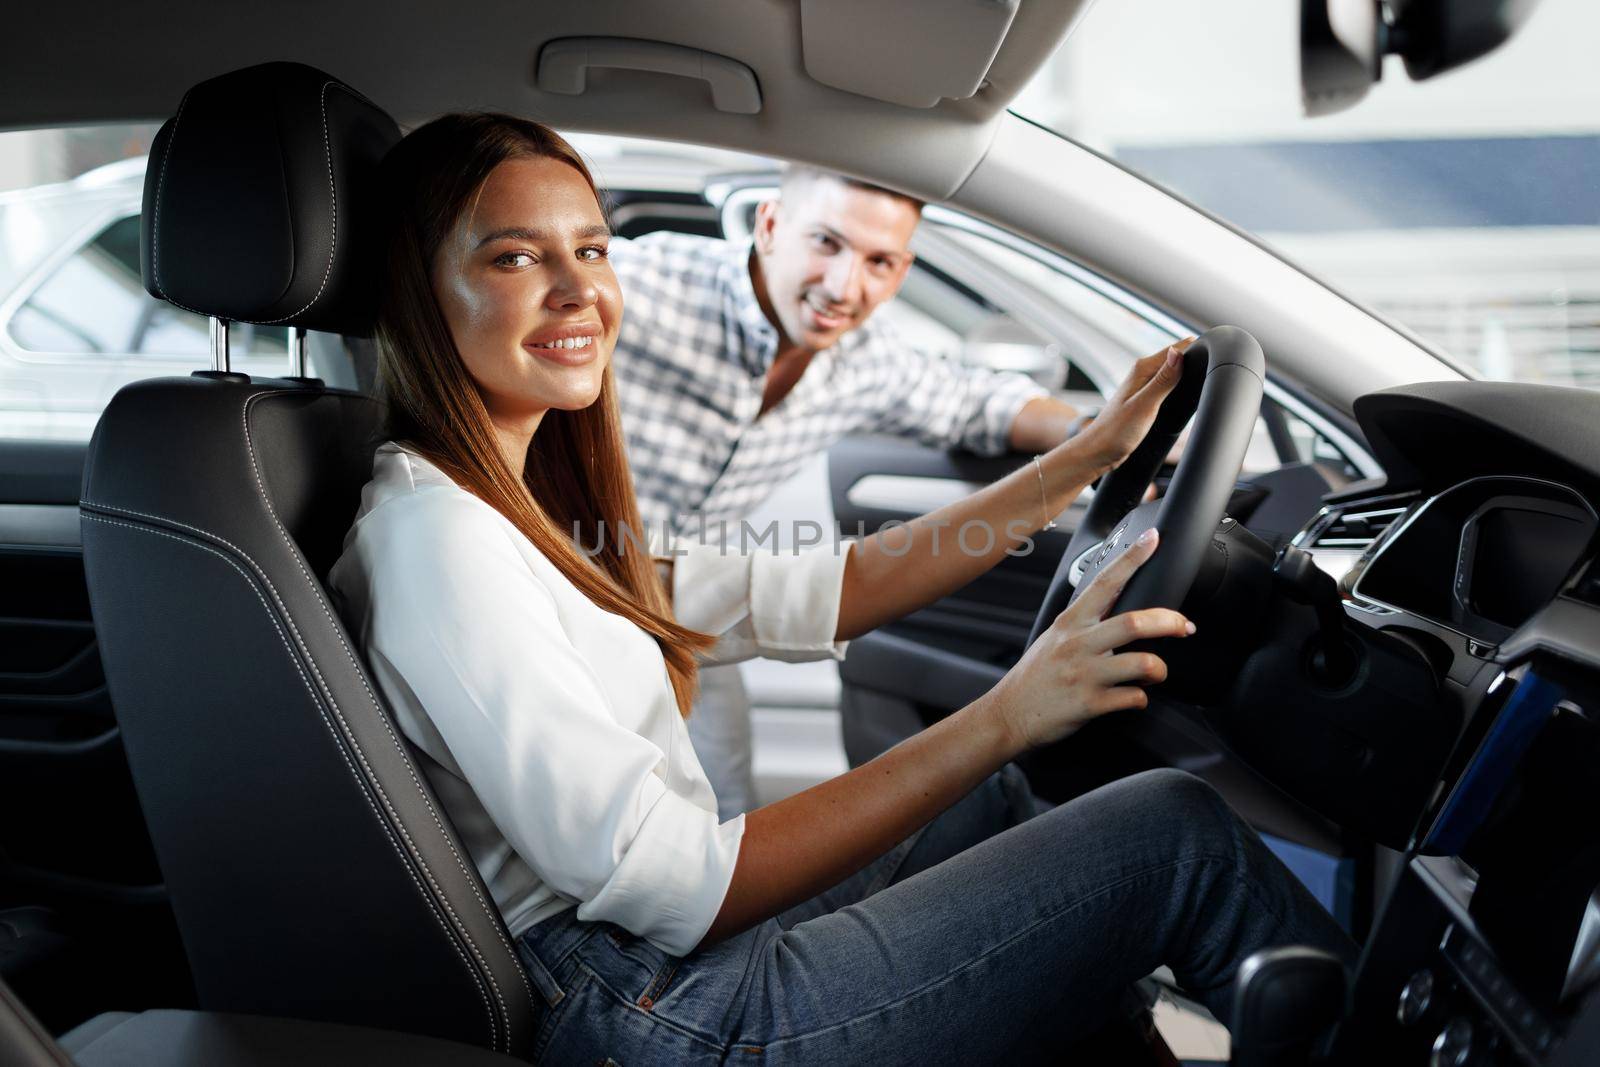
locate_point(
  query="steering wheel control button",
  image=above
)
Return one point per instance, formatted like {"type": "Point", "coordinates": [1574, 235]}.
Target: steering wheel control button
{"type": "Point", "coordinates": [1454, 1045]}
{"type": "Point", "coordinates": [1416, 998]}
{"type": "Point", "coordinates": [1083, 562]}
{"type": "Point", "coordinates": [1109, 545]}
{"type": "Point", "coordinates": [1095, 556]}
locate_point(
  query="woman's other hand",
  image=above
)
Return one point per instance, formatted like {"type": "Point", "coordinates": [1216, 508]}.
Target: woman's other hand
{"type": "Point", "coordinates": [1072, 673]}
{"type": "Point", "coordinates": [1131, 410]}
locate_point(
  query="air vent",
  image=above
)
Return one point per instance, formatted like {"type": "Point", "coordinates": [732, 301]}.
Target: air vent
{"type": "Point", "coordinates": [1354, 530]}
{"type": "Point", "coordinates": [1340, 537]}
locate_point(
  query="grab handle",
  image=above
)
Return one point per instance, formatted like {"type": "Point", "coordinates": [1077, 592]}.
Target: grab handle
{"type": "Point", "coordinates": [564, 68]}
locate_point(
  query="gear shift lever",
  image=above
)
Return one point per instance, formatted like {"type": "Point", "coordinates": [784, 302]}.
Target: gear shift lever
{"type": "Point", "coordinates": [1285, 1000]}
{"type": "Point", "coordinates": [1302, 581]}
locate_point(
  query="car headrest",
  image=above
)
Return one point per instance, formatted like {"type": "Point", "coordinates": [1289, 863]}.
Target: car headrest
{"type": "Point", "coordinates": [259, 195]}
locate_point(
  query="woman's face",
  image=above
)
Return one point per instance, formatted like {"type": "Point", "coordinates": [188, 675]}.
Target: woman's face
{"type": "Point", "coordinates": [528, 293]}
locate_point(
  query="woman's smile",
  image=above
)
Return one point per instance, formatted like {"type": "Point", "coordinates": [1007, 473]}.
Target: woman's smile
{"type": "Point", "coordinates": [570, 346]}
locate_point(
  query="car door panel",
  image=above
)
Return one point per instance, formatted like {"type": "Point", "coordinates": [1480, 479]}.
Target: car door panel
{"type": "Point", "coordinates": [61, 755]}
{"type": "Point", "coordinates": [879, 480]}
{"type": "Point", "coordinates": [80, 887]}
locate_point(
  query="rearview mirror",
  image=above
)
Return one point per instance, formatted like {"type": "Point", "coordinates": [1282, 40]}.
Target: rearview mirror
{"type": "Point", "coordinates": [1343, 42]}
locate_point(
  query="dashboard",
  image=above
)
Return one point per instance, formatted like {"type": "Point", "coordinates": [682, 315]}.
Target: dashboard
{"type": "Point", "coordinates": [1480, 552]}
{"type": "Point", "coordinates": [1480, 557]}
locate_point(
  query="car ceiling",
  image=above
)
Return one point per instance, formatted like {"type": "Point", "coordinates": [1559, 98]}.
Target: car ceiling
{"type": "Point", "coordinates": [103, 61]}
{"type": "Point", "coordinates": [100, 61]}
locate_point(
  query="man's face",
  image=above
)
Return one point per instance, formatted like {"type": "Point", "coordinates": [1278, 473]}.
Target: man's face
{"type": "Point", "coordinates": [829, 254]}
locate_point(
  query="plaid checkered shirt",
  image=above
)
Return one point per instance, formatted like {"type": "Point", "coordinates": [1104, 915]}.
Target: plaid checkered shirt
{"type": "Point", "coordinates": [691, 362]}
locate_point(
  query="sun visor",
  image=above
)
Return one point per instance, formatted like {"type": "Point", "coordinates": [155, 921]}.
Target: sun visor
{"type": "Point", "coordinates": [914, 53]}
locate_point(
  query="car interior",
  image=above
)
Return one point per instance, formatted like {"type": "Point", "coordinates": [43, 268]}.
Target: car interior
{"type": "Point", "coordinates": [217, 847]}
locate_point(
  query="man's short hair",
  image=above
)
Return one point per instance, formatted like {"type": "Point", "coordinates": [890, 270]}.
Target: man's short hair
{"type": "Point", "coordinates": [796, 175]}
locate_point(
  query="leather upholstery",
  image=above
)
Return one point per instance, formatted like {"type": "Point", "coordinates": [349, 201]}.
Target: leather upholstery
{"type": "Point", "coordinates": [310, 867]}
{"type": "Point", "coordinates": [258, 196]}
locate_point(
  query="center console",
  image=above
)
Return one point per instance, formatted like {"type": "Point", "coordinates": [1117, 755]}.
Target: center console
{"type": "Point", "coordinates": [1487, 947]}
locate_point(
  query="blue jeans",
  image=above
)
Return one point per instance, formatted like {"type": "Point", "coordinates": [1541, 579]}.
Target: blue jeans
{"type": "Point", "coordinates": [990, 935]}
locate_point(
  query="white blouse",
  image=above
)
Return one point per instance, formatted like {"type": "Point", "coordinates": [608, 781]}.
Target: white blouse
{"type": "Point", "coordinates": [548, 726]}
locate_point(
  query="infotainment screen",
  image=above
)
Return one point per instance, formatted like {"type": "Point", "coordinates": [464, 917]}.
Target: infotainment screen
{"type": "Point", "coordinates": [1521, 816]}
{"type": "Point", "coordinates": [1529, 703]}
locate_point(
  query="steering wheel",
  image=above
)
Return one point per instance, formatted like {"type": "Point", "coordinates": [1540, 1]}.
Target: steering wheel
{"type": "Point", "coordinates": [1223, 372]}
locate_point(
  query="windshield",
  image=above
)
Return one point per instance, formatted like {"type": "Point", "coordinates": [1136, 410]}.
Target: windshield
{"type": "Point", "coordinates": [1466, 208]}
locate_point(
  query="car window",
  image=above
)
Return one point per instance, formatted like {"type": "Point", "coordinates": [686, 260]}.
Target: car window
{"type": "Point", "coordinates": [1093, 330]}
{"type": "Point", "coordinates": [1113, 316]}
{"type": "Point", "coordinates": [95, 303]}
{"type": "Point", "coordinates": [75, 321]}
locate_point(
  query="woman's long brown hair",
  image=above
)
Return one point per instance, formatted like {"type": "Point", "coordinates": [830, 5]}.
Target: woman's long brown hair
{"type": "Point", "coordinates": [576, 476]}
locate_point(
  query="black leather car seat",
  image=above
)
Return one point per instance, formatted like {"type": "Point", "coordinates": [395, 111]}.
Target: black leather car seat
{"type": "Point", "coordinates": [310, 867]}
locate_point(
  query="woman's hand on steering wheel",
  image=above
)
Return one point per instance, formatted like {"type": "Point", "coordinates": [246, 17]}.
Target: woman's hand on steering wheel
{"type": "Point", "coordinates": [1072, 673]}
{"type": "Point", "coordinates": [1131, 409]}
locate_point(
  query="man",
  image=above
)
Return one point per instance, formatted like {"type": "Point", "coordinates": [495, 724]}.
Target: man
{"type": "Point", "coordinates": [737, 364]}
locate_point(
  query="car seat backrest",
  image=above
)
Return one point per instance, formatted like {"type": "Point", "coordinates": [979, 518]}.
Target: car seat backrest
{"type": "Point", "coordinates": [310, 867]}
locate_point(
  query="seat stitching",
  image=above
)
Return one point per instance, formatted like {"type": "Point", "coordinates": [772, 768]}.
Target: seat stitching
{"type": "Point", "coordinates": [355, 746]}
{"type": "Point", "coordinates": [495, 922]}
{"type": "Point", "coordinates": [161, 184]}
{"type": "Point", "coordinates": [333, 210]}
{"type": "Point", "coordinates": [155, 225]}
{"type": "Point", "coordinates": [366, 795]}
{"type": "Point", "coordinates": [381, 716]}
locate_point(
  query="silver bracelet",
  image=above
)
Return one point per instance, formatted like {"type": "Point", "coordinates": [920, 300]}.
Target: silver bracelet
{"type": "Point", "coordinates": [1044, 502]}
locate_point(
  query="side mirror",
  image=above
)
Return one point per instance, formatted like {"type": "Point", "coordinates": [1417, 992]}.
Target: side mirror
{"type": "Point", "coordinates": [1343, 42]}
{"type": "Point", "coordinates": [999, 342]}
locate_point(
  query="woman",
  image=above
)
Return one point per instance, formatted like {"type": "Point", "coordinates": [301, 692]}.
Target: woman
{"type": "Point", "coordinates": [912, 910]}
